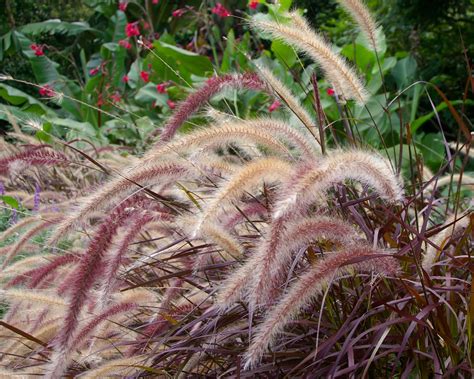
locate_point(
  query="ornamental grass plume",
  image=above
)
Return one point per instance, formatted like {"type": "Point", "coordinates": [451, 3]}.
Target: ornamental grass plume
{"type": "Point", "coordinates": [453, 225]}
{"type": "Point", "coordinates": [264, 132]}
{"type": "Point", "coordinates": [252, 174]}
{"type": "Point", "coordinates": [261, 276]}
{"type": "Point", "coordinates": [363, 17]}
{"type": "Point", "coordinates": [272, 260]}
{"type": "Point", "coordinates": [196, 258]}
{"type": "Point", "coordinates": [311, 284]}
{"type": "Point", "coordinates": [36, 156]}
{"type": "Point", "coordinates": [288, 98]}
{"type": "Point", "coordinates": [199, 98]}
{"type": "Point", "coordinates": [342, 77]}
{"type": "Point", "coordinates": [368, 168]}
{"type": "Point", "coordinates": [25, 238]}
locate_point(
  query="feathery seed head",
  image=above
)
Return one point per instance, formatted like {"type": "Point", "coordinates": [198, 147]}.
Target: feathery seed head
{"type": "Point", "coordinates": [299, 35]}
{"type": "Point", "coordinates": [308, 286]}
{"type": "Point", "coordinates": [362, 16]}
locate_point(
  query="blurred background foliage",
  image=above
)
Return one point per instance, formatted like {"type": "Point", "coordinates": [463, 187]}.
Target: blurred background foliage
{"type": "Point", "coordinates": [433, 31]}
{"type": "Point", "coordinates": [111, 90]}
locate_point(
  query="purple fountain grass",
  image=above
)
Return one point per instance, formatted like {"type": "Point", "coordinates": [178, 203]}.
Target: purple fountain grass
{"type": "Point", "coordinates": [37, 156]}
{"type": "Point", "coordinates": [361, 14]}
{"type": "Point", "coordinates": [238, 132]}
{"type": "Point", "coordinates": [116, 255]}
{"type": "Point", "coordinates": [366, 167]}
{"type": "Point", "coordinates": [36, 197]}
{"type": "Point", "coordinates": [159, 326]}
{"type": "Point", "coordinates": [309, 285]}
{"type": "Point", "coordinates": [254, 208]}
{"type": "Point", "coordinates": [25, 238]}
{"type": "Point", "coordinates": [244, 180]}
{"type": "Point", "coordinates": [97, 320]}
{"type": "Point", "coordinates": [83, 278]}
{"type": "Point", "coordinates": [146, 176]}
{"type": "Point", "coordinates": [197, 99]}
{"type": "Point", "coordinates": [272, 260]}
{"type": "Point", "coordinates": [453, 225]}
{"type": "Point", "coordinates": [299, 35]}
{"type": "Point", "coordinates": [35, 276]}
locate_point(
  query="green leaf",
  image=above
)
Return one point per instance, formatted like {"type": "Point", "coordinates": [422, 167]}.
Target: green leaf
{"type": "Point", "coordinates": [11, 201]}
{"type": "Point", "coordinates": [42, 136]}
{"type": "Point", "coordinates": [404, 71]}
{"type": "Point", "coordinates": [118, 24]}
{"type": "Point", "coordinates": [423, 119]}
{"type": "Point", "coordinates": [285, 5]}
{"type": "Point", "coordinates": [362, 56]}
{"type": "Point", "coordinates": [433, 150]}
{"type": "Point", "coordinates": [21, 115]}
{"type": "Point", "coordinates": [229, 52]}
{"type": "Point", "coordinates": [173, 63]}
{"type": "Point", "coordinates": [286, 54]}
{"type": "Point", "coordinates": [382, 48]}
{"type": "Point", "coordinates": [56, 26]}
{"type": "Point", "coordinates": [16, 97]}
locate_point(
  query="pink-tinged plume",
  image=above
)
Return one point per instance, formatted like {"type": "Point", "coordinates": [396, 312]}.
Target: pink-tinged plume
{"type": "Point", "coordinates": [211, 87]}
{"type": "Point", "coordinates": [311, 284]}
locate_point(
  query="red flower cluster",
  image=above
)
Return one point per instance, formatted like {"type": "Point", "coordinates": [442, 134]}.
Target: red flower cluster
{"type": "Point", "coordinates": [178, 12]}
{"type": "Point", "coordinates": [253, 4]}
{"type": "Point", "coordinates": [330, 92]}
{"type": "Point", "coordinates": [116, 98]}
{"type": "Point", "coordinates": [132, 29]}
{"type": "Point", "coordinates": [161, 88]}
{"type": "Point", "coordinates": [274, 106]}
{"type": "Point", "coordinates": [46, 91]}
{"type": "Point", "coordinates": [38, 49]}
{"type": "Point", "coordinates": [123, 6]}
{"type": "Point", "coordinates": [220, 10]}
{"type": "Point", "coordinates": [94, 71]}
{"type": "Point", "coordinates": [145, 75]}
{"type": "Point", "coordinates": [155, 2]}
{"type": "Point", "coordinates": [125, 79]}
{"type": "Point", "coordinates": [125, 43]}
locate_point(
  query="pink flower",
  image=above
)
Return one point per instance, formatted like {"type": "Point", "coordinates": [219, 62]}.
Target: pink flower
{"type": "Point", "coordinates": [125, 43]}
{"type": "Point", "coordinates": [253, 4]}
{"type": "Point", "coordinates": [38, 49]}
{"type": "Point", "coordinates": [132, 29]}
{"type": "Point", "coordinates": [123, 6]}
{"type": "Point", "coordinates": [330, 92]}
{"type": "Point", "coordinates": [116, 97]}
{"type": "Point", "coordinates": [145, 75]}
{"type": "Point", "coordinates": [220, 11]}
{"type": "Point", "coordinates": [178, 13]}
{"type": "Point", "coordinates": [154, 2]}
{"type": "Point", "coordinates": [94, 71]}
{"type": "Point", "coordinates": [46, 91]}
{"type": "Point", "coordinates": [125, 79]}
{"type": "Point", "coordinates": [161, 88]}
{"type": "Point", "coordinates": [171, 104]}
{"type": "Point", "coordinates": [274, 106]}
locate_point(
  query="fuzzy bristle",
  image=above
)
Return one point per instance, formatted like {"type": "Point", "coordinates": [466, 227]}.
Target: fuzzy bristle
{"type": "Point", "coordinates": [303, 38]}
